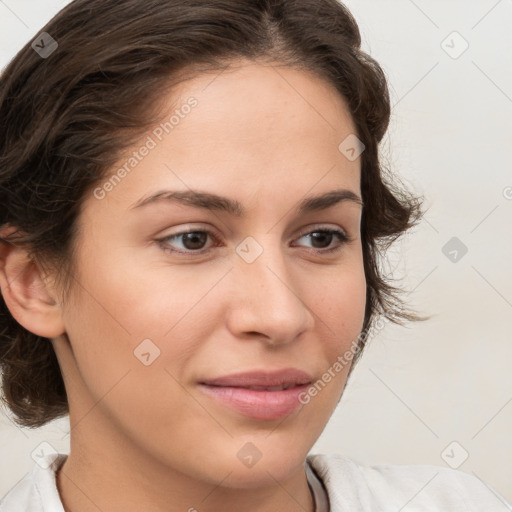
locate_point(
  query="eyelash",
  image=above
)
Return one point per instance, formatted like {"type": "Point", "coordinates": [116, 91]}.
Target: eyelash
{"type": "Point", "coordinates": [341, 235]}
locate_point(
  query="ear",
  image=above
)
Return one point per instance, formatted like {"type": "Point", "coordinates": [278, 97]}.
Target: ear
{"type": "Point", "coordinates": [26, 292]}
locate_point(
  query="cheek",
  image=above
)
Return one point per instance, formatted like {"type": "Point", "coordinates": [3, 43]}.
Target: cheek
{"type": "Point", "coordinates": [340, 303]}
{"type": "Point", "coordinates": [142, 301]}
{"type": "Point", "coordinates": [131, 346]}
{"type": "Point", "coordinates": [340, 309]}
{"type": "Point", "coordinates": [126, 316]}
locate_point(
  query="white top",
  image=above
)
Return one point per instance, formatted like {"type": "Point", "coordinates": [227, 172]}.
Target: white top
{"type": "Point", "coordinates": [350, 487]}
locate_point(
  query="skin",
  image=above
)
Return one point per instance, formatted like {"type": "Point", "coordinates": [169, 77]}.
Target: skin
{"type": "Point", "coordinates": [147, 437]}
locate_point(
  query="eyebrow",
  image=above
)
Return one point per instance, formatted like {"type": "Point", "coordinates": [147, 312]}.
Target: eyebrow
{"type": "Point", "coordinates": [215, 202]}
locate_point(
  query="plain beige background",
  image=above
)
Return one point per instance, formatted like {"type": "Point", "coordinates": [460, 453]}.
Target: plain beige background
{"type": "Point", "coordinates": [438, 392]}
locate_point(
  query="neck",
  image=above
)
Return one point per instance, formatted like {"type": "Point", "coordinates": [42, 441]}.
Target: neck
{"type": "Point", "coordinates": [108, 473]}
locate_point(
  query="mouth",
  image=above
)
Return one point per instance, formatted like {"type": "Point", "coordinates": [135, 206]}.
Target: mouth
{"type": "Point", "coordinates": [258, 394]}
{"type": "Point", "coordinates": [261, 388]}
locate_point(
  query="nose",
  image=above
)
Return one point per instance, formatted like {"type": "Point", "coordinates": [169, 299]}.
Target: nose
{"type": "Point", "coordinates": [267, 301]}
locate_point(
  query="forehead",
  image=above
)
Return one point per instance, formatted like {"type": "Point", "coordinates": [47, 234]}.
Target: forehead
{"type": "Point", "coordinates": [256, 103]}
{"type": "Point", "coordinates": [255, 128]}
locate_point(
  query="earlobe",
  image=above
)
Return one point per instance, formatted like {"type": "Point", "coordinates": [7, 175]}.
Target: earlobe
{"type": "Point", "coordinates": [26, 293]}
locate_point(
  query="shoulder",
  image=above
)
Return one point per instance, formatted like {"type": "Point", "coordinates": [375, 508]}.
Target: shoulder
{"type": "Point", "coordinates": [407, 487]}
{"type": "Point", "coordinates": [37, 491]}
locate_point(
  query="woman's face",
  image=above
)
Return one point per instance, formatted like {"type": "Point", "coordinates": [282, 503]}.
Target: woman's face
{"type": "Point", "coordinates": [270, 286]}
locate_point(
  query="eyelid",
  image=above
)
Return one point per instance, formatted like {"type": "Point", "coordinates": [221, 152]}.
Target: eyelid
{"type": "Point", "coordinates": [323, 227]}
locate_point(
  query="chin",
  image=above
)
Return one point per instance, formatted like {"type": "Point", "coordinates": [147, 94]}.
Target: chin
{"type": "Point", "coordinates": [262, 459]}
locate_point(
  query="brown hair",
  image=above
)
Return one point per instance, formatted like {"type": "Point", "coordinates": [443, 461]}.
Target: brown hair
{"type": "Point", "coordinates": [67, 118]}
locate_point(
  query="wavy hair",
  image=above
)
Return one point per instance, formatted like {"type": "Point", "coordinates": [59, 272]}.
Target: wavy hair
{"type": "Point", "coordinates": [67, 118]}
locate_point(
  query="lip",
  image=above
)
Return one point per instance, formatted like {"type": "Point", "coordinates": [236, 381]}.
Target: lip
{"type": "Point", "coordinates": [282, 377]}
{"type": "Point", "coordinates": [262, 404]}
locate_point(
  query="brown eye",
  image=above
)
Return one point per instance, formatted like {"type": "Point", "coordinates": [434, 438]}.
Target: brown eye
{"type": "Point", "coordinates": [194, 241]}
{"type": "Point", "coordinates": [188, 242]}
{"type": "Point", "coordinates": [321, 239]}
